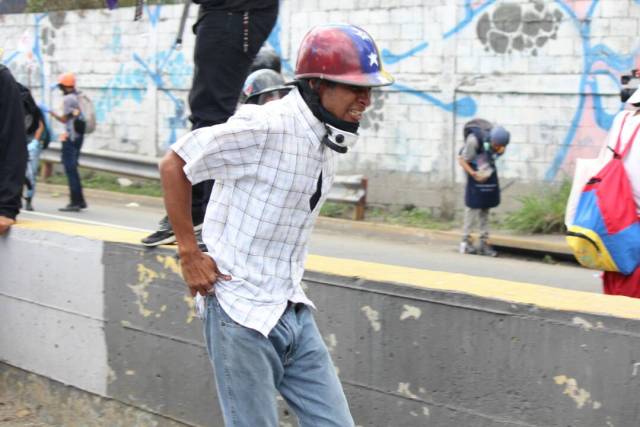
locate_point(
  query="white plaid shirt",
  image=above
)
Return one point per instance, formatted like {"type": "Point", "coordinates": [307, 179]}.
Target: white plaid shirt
{"type": "Point", "coordinates": [266, 161]}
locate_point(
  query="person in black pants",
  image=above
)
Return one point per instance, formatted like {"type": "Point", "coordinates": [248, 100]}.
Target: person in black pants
{"type": "Point", "coordinates": [71, 141]}
{"type": "Point", "coordinates": [229, 35]}
{"type": "Point", "coordinates": [13, 149]}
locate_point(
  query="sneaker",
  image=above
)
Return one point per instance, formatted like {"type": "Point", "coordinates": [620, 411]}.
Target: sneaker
{"type": "Point", "coordinates": [466, 247]}
{"type": "Point", "coordinates": [486, 250]}
{"type": "Point", "coordinates": [83, 205]}
{"type": "Point", "coordinates": [28, 206]}
{"type": "Point", "coordinates": [70, 208]}
{"type": "Point", "coordinates": [164, 235]}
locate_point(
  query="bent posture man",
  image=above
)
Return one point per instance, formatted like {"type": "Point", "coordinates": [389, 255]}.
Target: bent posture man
{"type": "Point", "coordinates": [273, 165]}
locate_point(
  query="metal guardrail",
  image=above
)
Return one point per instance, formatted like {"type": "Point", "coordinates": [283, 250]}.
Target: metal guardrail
{"type": "Point", "coordinates": [351, 189]}
{"type": "Point", "coordinates": [130, 165]}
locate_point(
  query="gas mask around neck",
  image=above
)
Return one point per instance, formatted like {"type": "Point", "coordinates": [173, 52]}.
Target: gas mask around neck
{"type": "Point", "coordinates": [341, 135]}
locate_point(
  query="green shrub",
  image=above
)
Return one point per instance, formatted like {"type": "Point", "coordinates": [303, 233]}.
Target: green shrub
{"type": "Point", "coordinates": [334, 210]}
{"type": "Point", "coordinates": [109, 182]}
{"type": "Point", "coordinates": [541, 213]}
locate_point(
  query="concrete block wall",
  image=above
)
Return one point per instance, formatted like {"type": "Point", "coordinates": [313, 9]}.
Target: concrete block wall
{"type": "Point", "coordinates": [112, 319]}
{"type": "Point", "coordinates": [546, 70]}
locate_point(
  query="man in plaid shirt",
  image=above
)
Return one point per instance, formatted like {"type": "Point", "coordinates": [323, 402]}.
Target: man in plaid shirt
{"type": "Point", "coordinates": [273, 165]}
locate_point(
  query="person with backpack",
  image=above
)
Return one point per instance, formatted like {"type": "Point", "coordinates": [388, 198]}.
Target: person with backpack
{"type": "Point", "coordinates": [484, 142]}
{"type": "Point", "coordinates": [72, 140]}
{"type": "Point", "coordinates": [13, 149]}
{"type": "Point", "coordinates": [622, 143]}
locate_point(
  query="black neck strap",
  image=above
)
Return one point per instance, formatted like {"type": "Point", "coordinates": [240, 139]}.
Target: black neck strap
{"type": "Point", "coordinates": [312, 100]}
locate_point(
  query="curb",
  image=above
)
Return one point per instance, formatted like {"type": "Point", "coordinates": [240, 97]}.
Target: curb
{"type": "Point", "coordinates": [503, 241]}
{"type": "Point", "coordinates": [515, 243]}
{"type": "Point", "coordinates": [114, 196]}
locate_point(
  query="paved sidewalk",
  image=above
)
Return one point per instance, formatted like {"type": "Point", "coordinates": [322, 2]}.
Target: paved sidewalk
{"type": "Point", "coordinates": [552, 244]}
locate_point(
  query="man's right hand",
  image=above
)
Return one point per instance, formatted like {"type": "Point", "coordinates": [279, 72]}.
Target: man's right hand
{"type": "Point", "coordinates": [200, 272]}
{"type": "Point", "coordinates": [480, 177]}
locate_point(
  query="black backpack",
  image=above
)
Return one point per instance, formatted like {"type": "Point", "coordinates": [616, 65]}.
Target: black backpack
{"type": "Point", "coordinates": [32, 114]}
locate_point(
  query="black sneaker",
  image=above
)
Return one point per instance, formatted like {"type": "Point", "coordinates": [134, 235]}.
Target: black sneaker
{"type": "Point", "coordinates": [70, 208]}
{"type": "Point", "coordinates": [83, 205]}
{"type": "Point", "coordinates": [486, 250]}
{"type": "Point", "coordinates": [164, 235]}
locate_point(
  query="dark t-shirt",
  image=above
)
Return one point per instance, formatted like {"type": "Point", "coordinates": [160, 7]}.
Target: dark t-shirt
{"type": "Point", "coordinates": [236, 5]}
{"type": "Point", "coordinates": [13, 145]}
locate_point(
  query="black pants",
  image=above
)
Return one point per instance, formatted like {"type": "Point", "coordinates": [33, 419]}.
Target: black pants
{"type": "Point", "coordinates": [223, 53]}
{"type": "Point", "coordinates": [70, 155]}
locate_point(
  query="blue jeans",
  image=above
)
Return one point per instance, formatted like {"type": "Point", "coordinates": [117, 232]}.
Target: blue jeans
{"type": "Point", "coordinates": [70, 155]}
{"type": "Point", "coordinates": [293, 360]}
{"type": "Point", "coordinates": [34, 149]}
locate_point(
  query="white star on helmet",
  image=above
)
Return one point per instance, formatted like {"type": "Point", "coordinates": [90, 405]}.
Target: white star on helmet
{"type": "Point", "coordinates": [373, 59]}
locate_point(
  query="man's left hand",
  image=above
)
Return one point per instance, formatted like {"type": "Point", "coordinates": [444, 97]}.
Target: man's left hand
{"type": "Point", "coordinates": [5, 224]}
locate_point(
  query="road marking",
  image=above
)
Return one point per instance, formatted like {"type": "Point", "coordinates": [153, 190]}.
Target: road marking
{"type": "Point", "coordinates": [83, 221]}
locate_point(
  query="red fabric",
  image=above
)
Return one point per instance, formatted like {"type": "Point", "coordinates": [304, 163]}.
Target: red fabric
{"type": "Point", "coordinates": [619, 284]}
{"type": "Point", "coordinates": [618, 208]}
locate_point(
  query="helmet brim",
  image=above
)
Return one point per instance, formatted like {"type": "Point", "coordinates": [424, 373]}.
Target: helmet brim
{"type": "Point", "coordinates": [381, 78]}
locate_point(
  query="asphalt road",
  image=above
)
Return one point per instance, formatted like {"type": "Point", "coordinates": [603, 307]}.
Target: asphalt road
{"type": "Point", "coordinates": [434, 255]}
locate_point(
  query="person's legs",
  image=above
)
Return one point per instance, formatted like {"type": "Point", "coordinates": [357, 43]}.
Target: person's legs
{"type": "Point", "coordinates": [70, 155]}
{"type": "Point", "coordinates": [466, 245]}
{"type": "Point", "coordinates": [485, 248]}
{"type": "Point", "coordinates": [222, 64]}
{"type": "Point", "coordinates": [247, 368]}
{"type": "Point", "coordinates": [71, 171]}
{"type": "Point", "coordinates": [31, 173]}
{"type": "Point", "coordinates": [222, 61]}
{"type": "Point", "coordinates": [78, 147]}
{"type": "Point", "coordinates": [34, 162]}
{"type": "Point", "coordinates": [310, 384]}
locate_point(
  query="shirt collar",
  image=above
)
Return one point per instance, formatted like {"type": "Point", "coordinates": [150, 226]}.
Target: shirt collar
{"type": "Point", "coordinates": [310, 121]}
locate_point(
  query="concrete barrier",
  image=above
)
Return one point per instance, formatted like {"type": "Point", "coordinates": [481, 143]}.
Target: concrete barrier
{"type": "Point", "coordinates": [86, 307]}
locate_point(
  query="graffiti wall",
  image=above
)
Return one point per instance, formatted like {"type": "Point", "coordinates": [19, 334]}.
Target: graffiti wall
{"type": "Point", "coordinates": [547, 70]}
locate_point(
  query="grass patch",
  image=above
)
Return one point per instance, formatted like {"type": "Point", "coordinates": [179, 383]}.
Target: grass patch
{"type": "Point", "coordinates": [109, 182]}
{"type": "Point", "coordinates": [336, 210]}
{"type": "Point", "coordinates": [408, 215]}
{"type": "Point", "coordinates": [541, 213]}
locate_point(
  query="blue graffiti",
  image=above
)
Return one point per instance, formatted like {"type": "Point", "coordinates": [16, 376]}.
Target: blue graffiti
{"type": "Point", "coordinates": [465, 106]}
{"type": "Point", "coordinates": [124, 86]}
{"type": "Point", "coordinates": [11, 58]}
{"type": "Point", "coordinates": [116, 42]}
{"type": "Point", "coordinates": [588, 85]}
{"type": "Point", "coordinates": [274, 41]}
{"type": "Point", "coordinates": [391, 58]}
{"type": "Point", "coordinates": [133, 85]}
{"type": "Point", "coordinates": [154, 16]}
{"type": "Point", "coordinates": [470, 14]}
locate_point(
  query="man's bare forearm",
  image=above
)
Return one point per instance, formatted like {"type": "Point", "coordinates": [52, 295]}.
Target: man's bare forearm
{"type": "Point", "coordinates": [177, 200]}
{"type": "Point", "coordinates": [466, 166]}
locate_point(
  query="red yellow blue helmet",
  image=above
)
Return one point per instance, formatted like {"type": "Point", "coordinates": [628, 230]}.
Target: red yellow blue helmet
{"type": "Point", "coordinates": [343, 54]}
